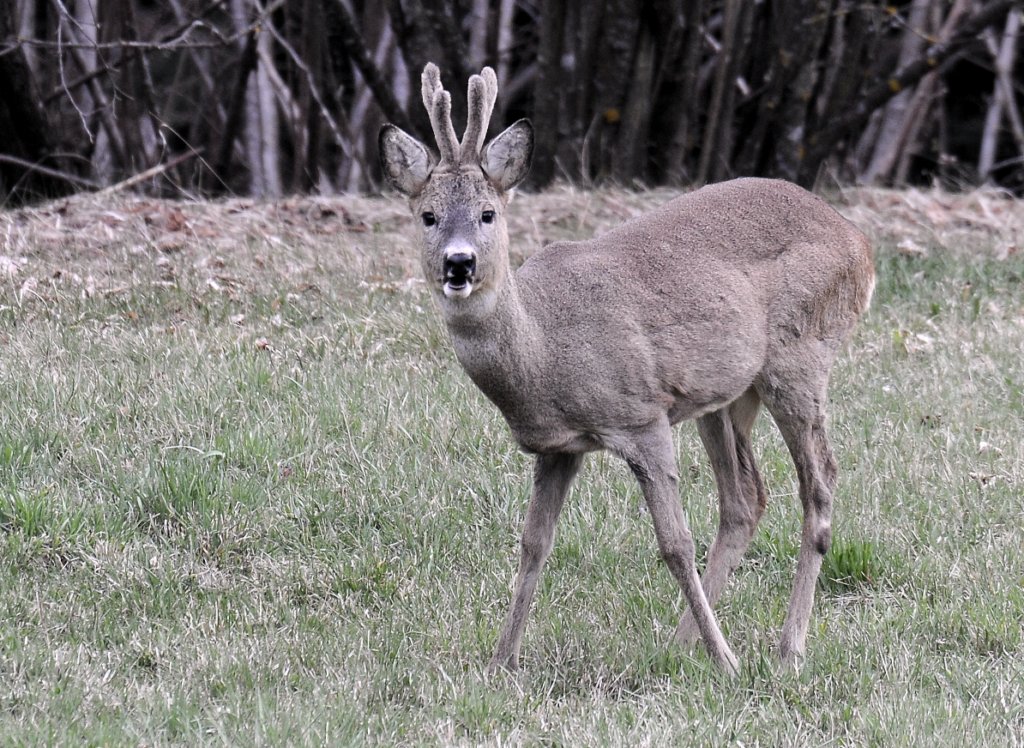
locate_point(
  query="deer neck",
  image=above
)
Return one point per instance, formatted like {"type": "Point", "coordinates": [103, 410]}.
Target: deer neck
{"type": "Point", "coordinates": [498, 344]}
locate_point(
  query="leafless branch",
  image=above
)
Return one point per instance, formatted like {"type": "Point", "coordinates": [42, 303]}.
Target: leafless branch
{"type": "Point", "coordinates": [118, 45]}
{"type": "Point", "coordinates": [64, 85]}
{"type": "Point", "coordinates": [142, 176]}
{"type": "Point", "coordinates": [132, 51]}
{"type": "Point", "coordinates": [1003, 53]}
{"type": "Point", "coordinates": [49, 171]}
{"type": "Point", "coordinates": [368, 69]}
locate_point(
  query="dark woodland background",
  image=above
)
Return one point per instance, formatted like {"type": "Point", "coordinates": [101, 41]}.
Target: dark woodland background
{"type": "Point", "coordinates": [267, 97]}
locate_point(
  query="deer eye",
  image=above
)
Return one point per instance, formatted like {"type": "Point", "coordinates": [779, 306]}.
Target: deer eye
{"type": "Point", "coordinates": [487, 216]}
{"type": "Point", "coordinates": [429, 219]}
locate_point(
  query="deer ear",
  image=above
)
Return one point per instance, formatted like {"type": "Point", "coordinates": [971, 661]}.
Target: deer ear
{"type": "Point", "coordinates": [405, 161]}
{"type": "Point", "coordinates": [506, 159]}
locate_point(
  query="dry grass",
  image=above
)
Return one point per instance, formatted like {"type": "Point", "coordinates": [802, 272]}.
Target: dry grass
{"type": "Point", "coordinates": [108, 246]}
{"type": "Point", "coordinates": [980, 222]}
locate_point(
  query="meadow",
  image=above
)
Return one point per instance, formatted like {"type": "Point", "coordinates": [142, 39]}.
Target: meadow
{"type": "Point", "coordinates": [248, 497]}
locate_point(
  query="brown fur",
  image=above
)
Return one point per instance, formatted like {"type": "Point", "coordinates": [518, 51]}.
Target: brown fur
{"type": "Point", "coordinates": [735, 295]}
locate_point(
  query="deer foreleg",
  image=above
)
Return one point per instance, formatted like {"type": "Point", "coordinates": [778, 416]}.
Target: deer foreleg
{"type": "Point", "coordinates": [553, 474]}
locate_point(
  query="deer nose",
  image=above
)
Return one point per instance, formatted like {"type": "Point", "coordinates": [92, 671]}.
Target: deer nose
{"type": "Point", "coordinates": [459, 265]}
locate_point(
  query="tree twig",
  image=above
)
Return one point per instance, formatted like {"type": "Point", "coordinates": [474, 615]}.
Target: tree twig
{"type": "Point", "coordinates": [148, 173]}
{"type": "Point", "coordinates": [102, 103]}
{"type": "Point", "coordinates": [64, 85]}
{"type": "Point", "coordinates": [48, 171]}
{"type": "Point", "coordinates": [1003, 54]}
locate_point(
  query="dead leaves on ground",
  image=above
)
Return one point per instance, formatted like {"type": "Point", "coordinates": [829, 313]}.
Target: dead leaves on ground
{"type": "Point", "coordinates": [89, 245]}
{"type": "Point", "coordinates": [919, 221]}
{"type": "Point", "coordinates": [111, 245]}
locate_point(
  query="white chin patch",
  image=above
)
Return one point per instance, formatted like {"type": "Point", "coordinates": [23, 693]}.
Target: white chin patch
{"type": "Point", "coordinates": [458, 292]}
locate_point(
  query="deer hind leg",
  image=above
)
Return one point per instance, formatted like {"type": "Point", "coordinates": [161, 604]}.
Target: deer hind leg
{"type": "Point", "coordinates": [652, 461]}
{"type": "Point", "coordinates": [552, 476]}
{"type": "Point", "coordinates": [800, 415]}
{"type": "Point", "coordinates": [741, 497]}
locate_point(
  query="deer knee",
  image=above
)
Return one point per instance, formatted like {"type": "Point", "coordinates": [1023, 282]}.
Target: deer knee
{"type": "Point", "coordinates": [533, 549]}
{"type": "Point", "coordinates": [818, 519]}
{"type": "Point", "coordinates": [831, 471]}
{"type": "Point", "coordinates": [822, 539]}
{"type": "Point", "coordinates": [679, 553]}
{"type": "Point", "coordinates": [737, 518]}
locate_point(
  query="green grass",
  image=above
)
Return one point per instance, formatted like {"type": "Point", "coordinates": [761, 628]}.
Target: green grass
{"type": "Point", "coordinates": [301, 528]}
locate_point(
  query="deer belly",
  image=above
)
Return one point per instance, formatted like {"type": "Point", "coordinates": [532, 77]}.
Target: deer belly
{"type": "Point", "coordinates": [687, 409]}
{"type": "Point", "coordinates": [702, 392]}
{"type": "Point", "coordinates": [552, 438]}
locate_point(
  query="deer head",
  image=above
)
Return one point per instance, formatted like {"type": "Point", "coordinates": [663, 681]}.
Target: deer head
{"type": "Point", "coordinates": [460, 197]}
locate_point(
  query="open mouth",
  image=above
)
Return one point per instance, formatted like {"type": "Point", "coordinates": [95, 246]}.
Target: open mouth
{"type": "Point", "coordinates": [458, 286]}
{"type": "Point", "coordinates": [459, 268]}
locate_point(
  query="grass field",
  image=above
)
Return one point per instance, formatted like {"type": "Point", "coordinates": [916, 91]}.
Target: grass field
{"type": "Point", "coordinates": [248, 497]}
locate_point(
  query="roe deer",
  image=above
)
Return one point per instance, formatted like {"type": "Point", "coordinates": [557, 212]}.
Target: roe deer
{"type": "Point", "coordinates": [734, 295]}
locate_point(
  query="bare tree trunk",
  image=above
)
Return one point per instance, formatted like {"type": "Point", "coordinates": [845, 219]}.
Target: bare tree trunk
{"type": "Point", "coordinates": [505, 8]}
{"type": "Point", "coordinates": [629, 158]}
{"type": "Point", "coordinates": [1002, 101]}
{"type": "Point", "coordinates": [719, 92]}
{"type": "Point", "coordinates": [307, 172]}
{"type": "Point", "coordinates": [894, 115]}
{"type": "Point", "coordinates": [657, 90]}
{"type": "Point", "coordinates": [440, 16]}
{"type": "Point", "coordinates": [209, 86]}
{"type": "Point", "coordinates": [929, 90]}
{"type": "Point", "coordinates": [104, 109]}
{"type": "Point", "coordinates": [920, 120]}
{"type": "Point", "coordinates": [369, 64]}
{"type": "Point", "coordinates": [85, 20]}
{"type": "Point", "coordinates": [852, 35]}
{"type": "Point", "coordinates": [243, 106]}
{"type": "Point", "coordinates": [722, 163]}
{"type": "Point", "coordinates": [613, 57]}
{"type": "Point", "coordinates": [363, 137]}
{"type": "Point", "coordinates": [548, 90]}
{"type": "Point", "coordinates": [477, 34]}
{"type": "Point", "coordinates": [418, 48]}
{"type": "Point", "coordinates": [796, 107]}
{"type": "Point", "coordinates": [268, 130]}
{"type": "Point", "coordinates": [132, 112]}
{"type": "Point", "coordinates": [681, 107]}
{"type": "Point", "coordinates": [25, 124]}
{"type": "Point", "coordinates": [25, 13]}
{"type": "Point", "coordinates": [935, 57]}
{"type": "Point", "coordinates": [583, 117]}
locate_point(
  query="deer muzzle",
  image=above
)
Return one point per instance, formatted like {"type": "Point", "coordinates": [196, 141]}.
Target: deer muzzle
{"type": "Point", "coordinates": [459, 269]}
